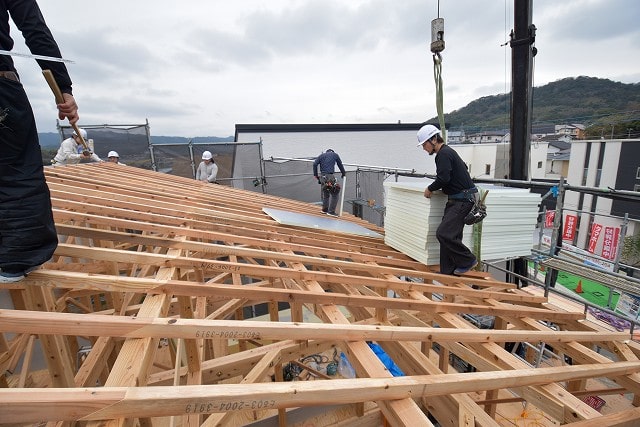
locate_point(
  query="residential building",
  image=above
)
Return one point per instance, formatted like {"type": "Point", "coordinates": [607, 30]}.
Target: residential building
{"type": "Point", "coordinates": [613, 164]}
{"type": "Point", "coordinates": [558, 156]}
{"type": "Point", "coordinates": [489, 136]}
{"type": "Point", "coordinates": [575, 131]}
{"type": "Point", "coordinates": [456, 137]}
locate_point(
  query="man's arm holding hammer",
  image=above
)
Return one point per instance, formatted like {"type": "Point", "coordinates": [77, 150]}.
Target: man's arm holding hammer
{"type": "Point", "coordinates": [68, 109]}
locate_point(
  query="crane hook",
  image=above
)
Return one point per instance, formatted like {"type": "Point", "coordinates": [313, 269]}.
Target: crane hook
{"type": "Point", "coordinates": [437, 35]}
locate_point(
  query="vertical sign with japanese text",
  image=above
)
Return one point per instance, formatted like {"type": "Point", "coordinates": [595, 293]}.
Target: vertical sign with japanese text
{"type": "Point", "coordinates": [548, 219]}
{"type": "Point", "coordinates": [595, 235]}
{"type": "Point", "coordinates": [610, 242]}
{"type": "Point", "coordinates": [570, 222]}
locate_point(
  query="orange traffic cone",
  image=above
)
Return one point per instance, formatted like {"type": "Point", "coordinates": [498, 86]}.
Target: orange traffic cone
{"type": "Point", "coordinates": [579, 287]}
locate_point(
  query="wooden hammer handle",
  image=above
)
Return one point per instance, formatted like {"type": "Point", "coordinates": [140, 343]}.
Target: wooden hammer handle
{"type": "Point", "coordinates": [48, 75]}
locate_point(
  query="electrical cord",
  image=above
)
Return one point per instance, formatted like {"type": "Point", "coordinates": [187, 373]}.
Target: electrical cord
{"type": "Point", "coordinates": [291, 371]}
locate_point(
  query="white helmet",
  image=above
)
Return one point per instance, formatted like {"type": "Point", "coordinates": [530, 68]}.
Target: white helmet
{"type": "Point", "coordinates": [207, 155]}
{"type": "Point", "coordinates": [113, 154]}
{"type": "Point", "coordinates": [426, 132]}
{"type": "Point", "coordinates": [82, 132]}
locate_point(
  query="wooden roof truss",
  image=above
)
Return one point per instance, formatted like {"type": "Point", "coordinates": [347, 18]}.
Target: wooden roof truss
{"type": "Point", "coordinates": [140, 317]}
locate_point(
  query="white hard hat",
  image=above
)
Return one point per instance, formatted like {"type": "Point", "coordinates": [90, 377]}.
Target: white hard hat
{"type": "Point", "coordinates": [113, 154]}
{"type": "Point", "coordinates": [426, 132]}
{"type": "Point", "coordinates": [83, 133]}
{"type": "Point", "coordinates": [207, 155]}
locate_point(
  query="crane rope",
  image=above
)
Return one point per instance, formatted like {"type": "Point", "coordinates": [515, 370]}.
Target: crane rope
{"type": "Point", "coordinates": [437, 75]}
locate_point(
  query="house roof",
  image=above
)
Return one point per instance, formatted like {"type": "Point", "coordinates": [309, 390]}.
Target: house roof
{"type": "Point", "coordinates": [155, 273]}
{"type": "Point", "coordinates": [560, 155]}
{"type": "Point", "coordinates": [327, 127]}
{"type": "Point", "coordinates": [561, 145]}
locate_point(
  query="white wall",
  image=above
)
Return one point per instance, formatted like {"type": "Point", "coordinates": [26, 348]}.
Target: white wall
{"type": "Point", "coordinates": [390, 149]}
{"type": "Point", "coordinates": [538, 154]}
{"type": "Point", "coordinates": [607, 179]}
{"type": "Point", "coordinates": [385, 149]}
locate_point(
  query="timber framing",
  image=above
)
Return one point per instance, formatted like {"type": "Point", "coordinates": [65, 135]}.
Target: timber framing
{"type": "Point", "coordinates": [144, 316]}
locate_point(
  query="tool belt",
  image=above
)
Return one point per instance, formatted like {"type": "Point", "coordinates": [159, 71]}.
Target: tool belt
{"type": "Point", "coordinates": [329, 183]}
{"type": "Point", "coordinates": [9, 75]}
{"type": "Point", "coordinates": [464, 195]}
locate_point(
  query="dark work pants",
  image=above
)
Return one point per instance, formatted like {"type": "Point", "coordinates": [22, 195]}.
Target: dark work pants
{"type": "Point", "coordinates": [453, 253]}
{"type": "Point", "coordinates": [329, 199]}
{"type": "Point", "coordinates": [27, 231]}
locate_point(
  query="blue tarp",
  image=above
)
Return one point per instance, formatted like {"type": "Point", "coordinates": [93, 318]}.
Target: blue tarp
{"type": "Point", "coordinates": [386, 360]}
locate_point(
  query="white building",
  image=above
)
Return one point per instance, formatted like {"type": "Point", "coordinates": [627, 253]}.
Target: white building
{"type": "Point", "coordinates": [602, 164]}
{"type": "Point", "coordinates": [484, 137]}
{"type": "Point", "coordinates": [391, 146]}
{"type": "Point", "coordinates": [575, 131]}
{"type": "Point", "coordinates": [456, 137]}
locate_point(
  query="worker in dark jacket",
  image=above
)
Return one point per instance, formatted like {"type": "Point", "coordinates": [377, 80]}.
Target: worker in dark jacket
{"type": "Point", "coordinates": [452, 177]}
{"type": "Point", "coordinates": [27, 232]}
{"type": "Point", "coordinates": [330, 188]}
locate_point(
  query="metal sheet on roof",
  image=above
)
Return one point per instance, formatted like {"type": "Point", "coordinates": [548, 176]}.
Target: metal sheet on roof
{"type": "Point", "coordinates": [328, 223]}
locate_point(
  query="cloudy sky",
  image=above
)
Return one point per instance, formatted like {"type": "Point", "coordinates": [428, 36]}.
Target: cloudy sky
{"type": "Point", "coordinates": [198, 67]}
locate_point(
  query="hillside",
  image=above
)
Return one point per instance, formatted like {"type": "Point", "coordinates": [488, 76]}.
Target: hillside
{"type": "Point", "coordinates": [598, 103]}
{"type": "Point", "coordinates": [587, 100]}
{"type": "Point", "coordinates": [52, 139]}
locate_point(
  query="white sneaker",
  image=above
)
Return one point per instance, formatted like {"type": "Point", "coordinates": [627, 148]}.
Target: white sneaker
{"type": "Point", "coordinates": [6, 277]}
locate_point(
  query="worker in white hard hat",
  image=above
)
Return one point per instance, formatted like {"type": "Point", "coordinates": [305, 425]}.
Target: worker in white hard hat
{"type": "Point", "coordinates": [207, 170]}
{"type": "Point", "coordinates": [72, 152]}
{"type": "Point", "coordinates": [452, 177]}
{"type": "Point", "coordinates": [114, 157]}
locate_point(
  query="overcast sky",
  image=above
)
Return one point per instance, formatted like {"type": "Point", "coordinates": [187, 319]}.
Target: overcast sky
{"type": "Point", "coordinates": [198, 67]}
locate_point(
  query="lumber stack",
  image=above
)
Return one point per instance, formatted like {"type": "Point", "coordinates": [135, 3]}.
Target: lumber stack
{"type": "Point", "coordinates": [164, 304]}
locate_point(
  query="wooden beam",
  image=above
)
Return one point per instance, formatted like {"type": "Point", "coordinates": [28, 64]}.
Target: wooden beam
{"type": "Point", "coordinates": [32, 405]}
{"type": "Point", "coordinates": [129, 284]}
{"type": "Point", "coordinates": [157, 327]}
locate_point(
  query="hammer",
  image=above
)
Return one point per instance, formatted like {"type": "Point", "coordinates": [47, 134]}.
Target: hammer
{"type": "Point", "coordinates": [48, 75]}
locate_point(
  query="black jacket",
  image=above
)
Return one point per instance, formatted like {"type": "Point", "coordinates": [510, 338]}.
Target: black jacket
{"type": "Point", "coordinates": [452, 174]}
{"type": "Point", "coordinates": [29, 20]}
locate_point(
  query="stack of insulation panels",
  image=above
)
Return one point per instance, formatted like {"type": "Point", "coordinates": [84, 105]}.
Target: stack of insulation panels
{"type": "Point", "coordinates": [411, 221]}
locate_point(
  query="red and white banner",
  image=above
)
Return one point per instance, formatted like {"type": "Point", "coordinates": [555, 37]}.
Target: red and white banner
{"type": "Point", "coordinates": [570, 222]}
{"type": "Point", "coordinates": [548, 219]}
{"type": "Point", "coordinates": [595, 235]}
{"type": "Point", "coordinates": [610, 243]}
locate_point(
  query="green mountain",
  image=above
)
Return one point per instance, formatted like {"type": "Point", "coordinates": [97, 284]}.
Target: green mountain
{"type": "Point", "coordinates": [593, 102]}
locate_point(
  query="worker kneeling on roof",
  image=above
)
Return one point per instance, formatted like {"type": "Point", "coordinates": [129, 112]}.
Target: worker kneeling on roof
{"type": "Point", "coordinates": [207, 170]}
{"type": "Point", "coordinates": [71, 151]}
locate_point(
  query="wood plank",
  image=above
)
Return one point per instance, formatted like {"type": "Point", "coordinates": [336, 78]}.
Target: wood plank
{"type": "Point", "coordinates": [115, 402]}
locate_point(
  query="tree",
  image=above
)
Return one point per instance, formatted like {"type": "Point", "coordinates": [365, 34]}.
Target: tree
{"type": "Point", "coordinates": [631, 251]}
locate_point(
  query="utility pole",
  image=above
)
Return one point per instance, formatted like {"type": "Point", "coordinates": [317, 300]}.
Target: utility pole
{"type": "Point", "coordinates": [523, 36]}
{"type": "Point", "coordinates": [522, 52]}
